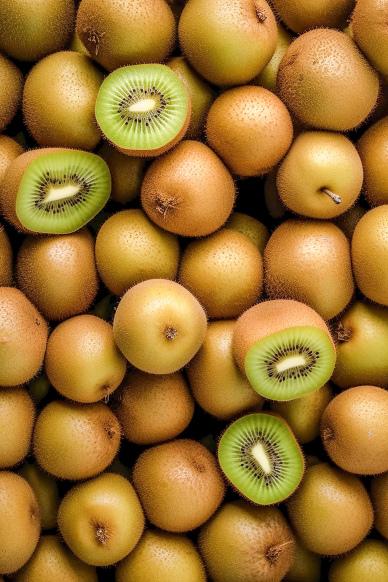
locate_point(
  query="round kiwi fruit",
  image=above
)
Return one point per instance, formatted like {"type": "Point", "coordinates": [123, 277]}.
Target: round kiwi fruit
{"type": "Point", "coordinates": [58, 101]}
{"type": "Point", "coordinates": [321, 175]}
{"type": "Point", "coordinates": [126, 173]}
{"type": "Point", "coordinates": [224, 271]}
{"type": "Point", "coordinates": [234, 42]}
{"type": "Point", "coordinates": [188, 191]}
{"type": "Point", "coordinates": [19, 522]}
{"type": "Point", "coordinates": [6, 259]}
{"type": "Point", "coordinates": [261, 458]}
{"type": "Point", "coordinates": [153, 409]}
{"type": "Point", "coordinates": [17, 415]}
{"type": "Point", "coordinates": [306, 566]}
{"type": "Point", "coordinates": [143, 110]}
{"type": "Point", "coordinates": [60, 429]}
{"type": "Point", "coordinates": [311, 87]}
{"type": "Point", "coordinates": [366, 563]}
{"type": "Point", "coordinates": [101, 520]}
{"type": "Point", "coordinates": [159, 326]}
{"type": "Point", "coordinates": [300, 16]}
{"type": "Point", "coordinates": [217, 384]}
{"type": "Point", "coordinates": [354, 430]}
{"type": "Point", "coordinates": [46, 492]}
{"type": "Point", "coordinates": [309, 260]}
{"type": "Point", "coordinates": [331, 511]}
{"type": "Point", "coordinates": [54, 191]}
{"type": "Point", "coordinates": [243, 543]}
{"type": "Point", "coordinates": [179, 484]}
{"type": "Point", "coordinates": [164, 557]}
{"type": "Point", "coordinates": [105, 28]}
{"type": "Point", "coordinates": [11, 80]}
{"type": "Point", "coordinates": [130, 249]}
{"type": "Point", "coordinates": [58, 273]}
{"type": "Point", "coordinates": [52, 560]}
{"type": "Point", "coordinates": [370, 33]}
{"type": "Point", "coordinates": [255, 230]}
{"type": "Point", "coordinates": [348, 221]}
{"type": "Point", "coordinates": [285, 349]}
{"type": "Point", "coordinates": [268, 76]}
{"type": "Point", "coordinates": [82, 361]}
{"type": "Point", "coordinates": [379, 495]}
{"type": "Point", "coordinates": [23, 333]}
{"type": "Point", "coordinates": [243, 119]}
{"type": "Point", "coordinates": [9, 150]}
{"type": "Point", "coordinates": [372, 147]}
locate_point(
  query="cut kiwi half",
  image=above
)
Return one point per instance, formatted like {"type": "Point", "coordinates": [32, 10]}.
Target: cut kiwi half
{"type": "Point", "coordinates": [261, 458]}
{"type": "Point", "coordinates": [143, 109]}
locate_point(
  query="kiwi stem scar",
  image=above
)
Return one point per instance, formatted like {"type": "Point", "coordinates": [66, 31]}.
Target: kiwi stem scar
{"type": "Point", "coordinates": [290, 362]}
{"type": "Point", "coordinates": [334, 197]}
{"type": "Point", "coordinates": [260, 455]}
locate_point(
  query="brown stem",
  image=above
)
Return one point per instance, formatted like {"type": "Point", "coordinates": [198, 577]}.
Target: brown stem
{"type": "Point", "coordinates": [327, 434]}
{"type": "Point", "coordinates": [170, 333]}
{"type": "Point", "coordinates": [342, 333]}
{"type": "Point", "coordinates": [261, 17]}
{"type": "Point", "coordinates": [273, 553]}
{"type": "Point", "coordinates": [334, 197]}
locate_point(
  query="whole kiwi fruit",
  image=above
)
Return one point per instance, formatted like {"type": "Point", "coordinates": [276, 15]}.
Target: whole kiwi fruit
{"type": "Point", "coordinates": [379, 495]}
{"type": "Point", "coordinates": [46, 492]}
{"type": "Point", "coordinates": [255, 230]}
{"type": "Point", "coordinates": [372, 147]}
{"type": "Point", "coordinates": [300, 16]}
{"type": "Point", "coordinates": [11, 80]}
{"type": "Point", "coordinates": [126, 172]}
{"type": "Point", "coordinates": [369, 32]}
{"type": "Point", "coordinates": [9, 150]}
{"type": "Point", "coordinates": [6, 259]}
{"type": "Point", "coordinates": [268, 76]}
{"type": "Point", "coordinates": [17, 415]}
{"type": "Point", "coordinates": [366, 563]}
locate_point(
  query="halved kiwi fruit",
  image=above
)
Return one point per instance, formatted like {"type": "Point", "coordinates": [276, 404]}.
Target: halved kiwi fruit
{"type": "Point", "coordinates": [261, 458]}
{"type": "Point", "coordinates": [143, 109]}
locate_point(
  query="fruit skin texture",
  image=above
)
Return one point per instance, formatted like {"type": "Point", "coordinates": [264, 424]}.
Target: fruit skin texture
{"type": "Point", "coordinates": [164, 557]}
{"type": "Point", "coordinates": [306, 566]}
{"type": "Point", "coordinates": [23, 333]}
{"type": "Point", "coordinates": [63, 115]}
{"type": "Point", "coordinates": [244, 543]}
{"type": "Point", "coordinates": [366, 563]}
{"type": "Point", "coordinates": [370, 33]}
{"type": "Point", "coordinates": [234, 42]}
{"type": "Point", "coordinates": [179, 485]}
{"type": "Point", "coordinates": [314, 87]}
{"type": "Point", "coordinates": [331, 511]}
{"type": "Point", "coordinates": [373, 150]}
{"type": "Point", "coordinates": [370, 254]}
{"type": "Point", "coordinates": [126, 173]}
{"type": "Point", "coordinates": [255, 230]}
{"type": "Point", "coordinates": [188, 191]}
{"type": "Point", "coordinates": [104, 27]}
{"type": "Point", "coordinates": [268, 76]}
{"type": "Point", "coordinates": [9, 150]}
{"type": "Point", "coordinates": [19, 512]}
{"type": "Point", "coordinates": [379, 495]}
{"type": "Point", "coordinates": [17, 415]}
{"type": "Point", "coordinates": [6, 259]}
{"type": "Point", "coordinates": [38, 28]}
{"type": "Point", "coordinates": [241, 121]}
{"type": "Point", "coordinates": [354, 430]}
{"type": "Point", "coordinates": [301, 16]}
{"type": "Point", "coordinates": [46, 492]}
{"type": "Point", "coordinates": [58, 273]}
{"type": "Point", "coordinates": [11, 80]}
{"type": "Point", "coordinates": [224, 272]}
{"type": "Point", "coordinates": [101, 520]}
{"type": "Point", "coordinates": [309, 261]}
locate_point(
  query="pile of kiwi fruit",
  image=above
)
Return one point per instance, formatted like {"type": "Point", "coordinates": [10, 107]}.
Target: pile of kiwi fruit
{"type": "Point", "coordinates": [194, 290]}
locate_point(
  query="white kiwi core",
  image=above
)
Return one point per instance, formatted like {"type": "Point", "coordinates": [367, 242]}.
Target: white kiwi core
{"type": "Point", "coordinates": [55, 192]}
{"type": "Point", "coordinates": [143, 105]}
{"type": "Point", "coordinates": [260, 455]}
{"type": "Point", "coordinates": [290, 362]}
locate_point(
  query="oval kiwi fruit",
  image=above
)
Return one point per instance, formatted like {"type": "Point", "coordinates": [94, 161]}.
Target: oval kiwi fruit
{"type": "Point", "coordinates": [268, 76]}
{"type": "Point", "coordinates": [372, 147]}
{"type": "Point", "coordinates": [300, 16]}
{"type": "Point", "coordinates": [6, 259]}
{"type": "Point", "coordinates": [366, 563]}
{"type": "Point", "coordinates": [126, 173]}
{"type": "Point", "coordinates": [306, 566]}
{"type": "Point", "coordinates": [255, 230]}
{"type": "Point", "coordinates": [11, 79]}
{"type": "Point", "coordinates": [379, 495]}
{"type": "Point", "coordinates": [9, 150]}
{"type": "Point", "coordinates": [370, 32]}
{"type": "Point", "coordinates": [46, 492]}
{"type": "Point", "coordinates": [17, 415]}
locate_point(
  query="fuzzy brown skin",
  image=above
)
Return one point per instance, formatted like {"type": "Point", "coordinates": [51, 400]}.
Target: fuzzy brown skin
{"type": "Point", "coordinates": [379, 495]}
{"type": "Point", "coordinates": [303, 15]}
{"type": "Point", "coordinates": [11, 79]}
{"type": "Point", "coordinates": [6, 259]}
{"type": "Point", "coordinates": [372, 147]}
{"type": "Point", "coordinates": [370, 31]}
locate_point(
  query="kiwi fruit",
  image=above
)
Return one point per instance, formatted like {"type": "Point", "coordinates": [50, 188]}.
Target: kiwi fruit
{"type": "Point", "coordinates": [11, 79]}
{"type": "Point", "coordinates": [17, 415]}
{"type": "Point", "coordinates": [304, 414]}
{"type": "Point", "coordinates": [24, 337]}
{"type": "Point", "coordinates": [331, 511]}
{"type": "Point", "coordinates": [306, 566]}
{"type": "Point", "coordinates": [309, 84]}
{"type": "Point", "coordinates": [130, 249]}
{"type": "Point", "coordinates": [52, 560]}
{"type": "Point", "coordinates": [261, 458]}
{"type": "Point", "coordinates": [201, 94]}
{"type": "Point", "coordinates": [268, 76]}
{"type": "Point", "coordinates": [321, 176]}
{"type": "Point", "coordinates": [179, 484]}
{"type": "Point", "coordinates": [273, 202]}
{"type": "Point", "coordinates": [105, 27]}
{"type": "Point", "coordinates": [372, 147]}
{"type": "Point", "coordinates": [159, 326]}
{"type": "Point", "coordinates": [46, 492]}
{"type": "Point", "coordinates": [9, 150]}
{"type": "Point", "coordinates": [101, 520]}
{"type": "Point", "coordinates": [182, 204]}
{"type": "Point", "coordinates": [243, 543]}
{"type": "Point", "coordinates": [224, 271]}
{"type": "Point", "coordinates": [58, 273]}
{"type": "Point", "coordinates": [348, 221]}
{"type": "Point", "coordinates": [370, 254]}
{"type": "Point", "coordinates": [369, 31]}
{"type": "Point", "coordinates": [153, 409]}
{"type": "Point", "coordinates": [354, 430]}
{"type": "Point", "coordinates": [60, 429]}
{"type": "Point", "coordinates": [301, 16]}
{"type": "Point", "coordinates": [78, 46]}
{"type": "Point", "coordinates": [366, 563]}
{"type": "Point", "coordinates": [126, 173]}
{"type": "Point", "coordinates": [54, 190]}
{"type": "Point", "coordinates": [240, 121]}
{"type": "Point", "coordinates": [19, 522]}
{"type": "Point", "coordinates": [379, 495]}
{"type": "Point", "coordinates": [216, 382]}
{"type": "Point", "coordinates": [309, 261]}
{"type": "Point", "coordinates": [143, 110]}
{"type": "Point", "coordinates": [255, 230]}
{"type": "Point", "coordinates": [164, 557]}
{"type": "Point", "coordinates": [285, 349]}
{"type": "Point", "coordinates": [63, 116]}
{"type": "Point", "coordinates": [234, 42]}
{"type": "Point", "coordinates": [6, 259]}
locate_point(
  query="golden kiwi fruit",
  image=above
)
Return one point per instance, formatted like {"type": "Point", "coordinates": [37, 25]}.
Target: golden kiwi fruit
{"type": "Point", "coordinates": [370, 32]}
{"type": "Point", "coordinates": [366, 563]}
{"type": "Point", "coordinates": [126, 173]}
{"type": "Point", "coordinates": [17, 415]}
{"type": "Point", "coordinates": [9, 150]}
{"type": "Point", "coordinates": [372, 147]}
{"type": "Point", "coordinates": [301, 15]}
{"type": "Point", "coordinates": [379, 495]}
{"type": "Point", "coordinates": [6, 259]}
{"type": "Point", "coordinates": [255, 230]}
{"type": "Point", "coordinates": [46, 492]}
{"type": "Point", "coordinates": [11, 79]}
{"type": "Point", "coordinates": [268, 76]}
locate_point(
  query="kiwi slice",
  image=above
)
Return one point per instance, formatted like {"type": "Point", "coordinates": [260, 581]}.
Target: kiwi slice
{"type": "Point", "coordinates": [143, 109]}
{"type": "Point", "coordinates": [62, 190]}
{"type": "Point", "coordinates": [261, 458]}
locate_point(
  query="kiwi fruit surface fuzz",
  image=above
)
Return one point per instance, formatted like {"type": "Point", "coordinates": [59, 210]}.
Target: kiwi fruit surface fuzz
{"type": "Point", "coordinates": [268, 76]}
{"type": "Point", "coordinates": [379, 495]}
{"type": "Point", "coordinates": [126, 173]}
{"type": "Point", "coordinates": [366, 563]}
{"type": "Point", "coordinates": [9, 150]}
{"type": "Point", "coordinates": [144, 110]}
{"type": "Point", "coordinates": [243, 543]}
{"type": "Point", "coordinates": [310, 85]}
{"type": "Point", "coordinates": [285, 349]}
{"type": "Point", "coordinates": [46, 492]}
{"type": "Point", "coordinates": [104, 28]}
{"type": "Point", "coordinates": [11, 81]}
{"type": "Point", "coordinates": [370, 32]}
{"type": "Point", "coordinates": [255, 230]}
{"type": "Point", "coordinates": [63, 113]}
{"type": "Point", "coordinates": [179, 484]}
{"type": "Point", "coordinates": [306, 566]}
{"type": "Point", "coordinates": [373, 151]}
{"type": "Point", "coordinates": [183, 205]}
{"type": "Point", "coordinates": [6, 259]}
{"type": "Point", "coordinates": [300, 16]}
{"type": "Point", "coordinates": [17, 415]}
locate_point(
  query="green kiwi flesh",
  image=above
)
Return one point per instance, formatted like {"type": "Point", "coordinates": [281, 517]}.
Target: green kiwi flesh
{"type": "Point", "coordinates": [261, 458]}
{"type": "Point", "coordinates": [143, 109]}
